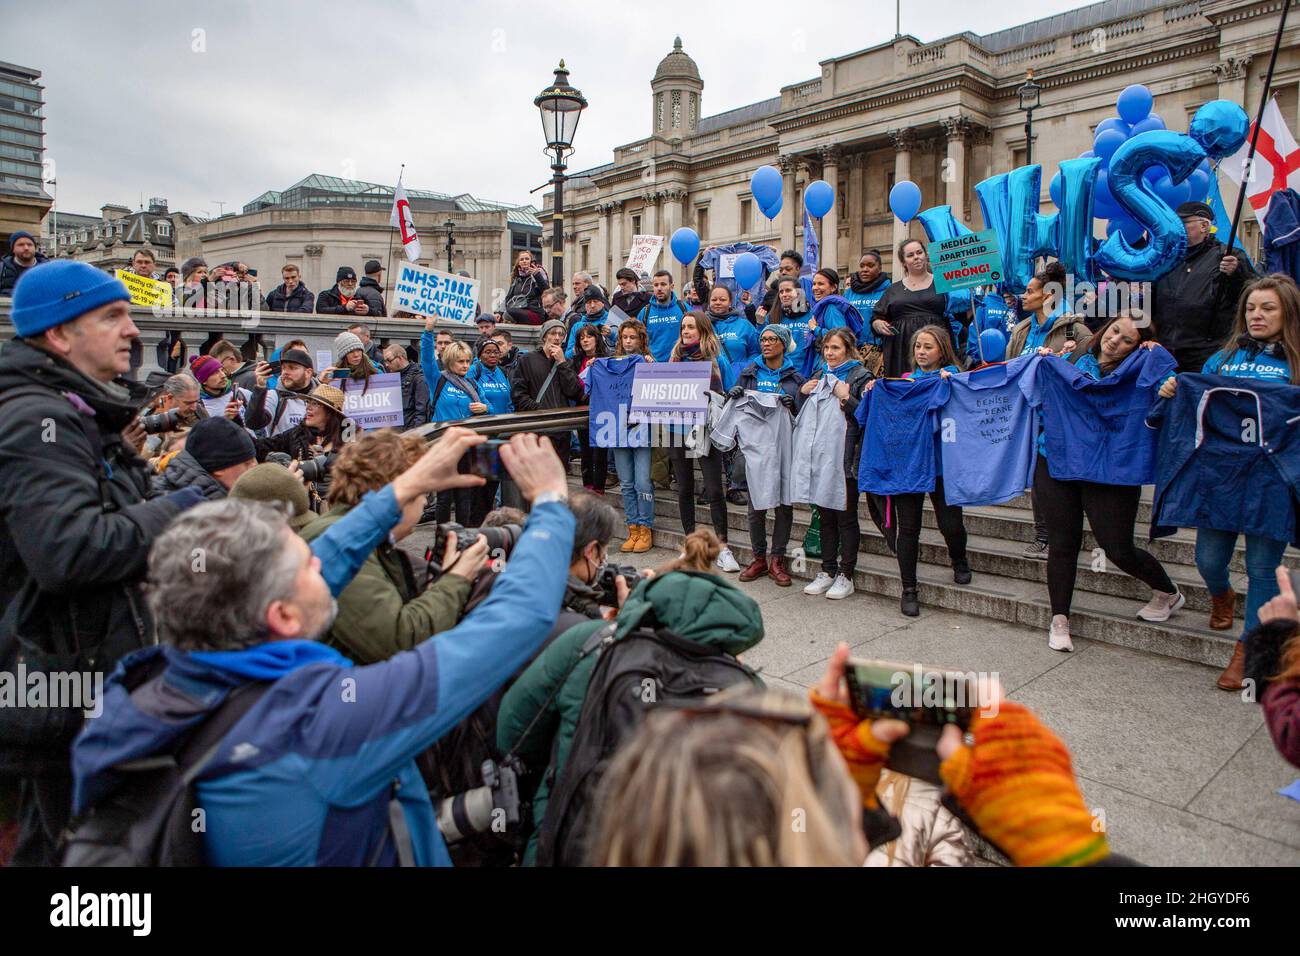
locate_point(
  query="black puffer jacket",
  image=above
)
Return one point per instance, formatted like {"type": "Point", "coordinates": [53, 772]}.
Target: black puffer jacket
{"type": "Point", "coordinates": [184, 471]}
{"type": "Point", "coordinates": [10, 271]}
{"type": "Point", "coordinates": [415, 396]}
{"type": "Point", "coordinates": [299, 300]}
{"type": "Point", "coordinates": [75, 533]}
{"type": "Point", "coordinates": [1194, 304]}
{"type": "Point", "coordinates": [369, 291]}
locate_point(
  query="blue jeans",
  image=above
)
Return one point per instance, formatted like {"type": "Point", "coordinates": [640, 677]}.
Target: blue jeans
{"type": "Point", "coordinates": [638, 490]}
{"type": "Point", "coordinates": [1263, 555]}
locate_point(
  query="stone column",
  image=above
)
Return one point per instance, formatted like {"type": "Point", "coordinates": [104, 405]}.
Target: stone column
{"type": "Point", "coordinates": [674, 199]}
{"type": "Point", "coordinates": [1231, 74]}
{"type": "Point", "coordinates": [649, 214]}
{"type": "Point", "coordinates": [904, 142]}
{"type": "Point", "coordinates": [606, 276]}
{"type": "Point", "coordinates": [953, 172]}
{"type": "Point", "coordinates": [617, 247]}
{"type": "Point", "coordinates": [789, 167]}
{"type": "Point", "coordinates": [857, 208]}
{"type": "Point", "coordinates": [830, 238]}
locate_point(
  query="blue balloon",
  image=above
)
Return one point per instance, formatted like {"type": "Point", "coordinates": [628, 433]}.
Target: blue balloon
{"type": "Point", "coordinates": [905, 200]}
{"type": "Point", "coordinates": [1154, 174]}
{"type": "Point", "coordinates": [1134, 103]}
{"type": "Point", "coordinates": [1198, 185]}
{"type": "Point", "coordinates": [1147, 125]}
{"type": "Point", "coordinates": [1088, 154]}
{"type": "Point", "coordinates": [771, 211]}
{"type": "Point", "coordinates": [1113, 122]}
{"type": "Point", "coordinates": [1076, 248]}
{"type": "Point", "coordinates": [765, 185]}
{"type": "Point", "coordinates": [1107, 141]}
{"type": "Point", "coordinates": [1054, 189]}
{"type": "Point", "coordinates": [685, 244]}
{"type": "Point", "coordinates": [993, 345]}
{"type": "Point", "coordinates": [819, 197]}
{"type": "Point", "coordinates": [1220, 127]}
{"type": "Point", "coordinates": [1103, 201]}
{"type": "Point", "coordinates": [1009, 203]}
{"type": "Point", "coordinates": [939, 224]}
{"type": "Point", "coordinates": [747, 270]}
{"type": "Point", "coordinates": [1167, 239]}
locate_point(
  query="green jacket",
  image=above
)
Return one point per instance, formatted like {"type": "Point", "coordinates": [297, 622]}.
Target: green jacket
{"type": "Point", "coordinates": [699, 607]}
{"type": "Point", "coordinates": [383, 611]}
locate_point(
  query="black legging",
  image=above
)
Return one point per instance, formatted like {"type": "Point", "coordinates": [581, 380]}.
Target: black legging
{"type": "Point", "coordinates": [780, 532]}
{"type": "Point", "coordinates": [595, 462]}
{"type": "Point", "coordinates": [1112, 512]}
{"type": "Point", "coordinates": [684, 473]}
{"type": "Point", "coordinates": [907, 512]}
{"type": "Point", "coordinates": [841, 533]}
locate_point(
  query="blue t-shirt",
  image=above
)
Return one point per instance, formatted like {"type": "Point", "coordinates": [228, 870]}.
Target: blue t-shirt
{"type": "Point", "coordinates": [494, 388]}
{"type": "Point", "coordinates": [769, 380]}
{"type": "Point", "coordinates": [1248, 363]}
{"type": "Point", "coordinates": [664, 325]}
{"type": "Point", "coordinates": [1096, 430]}
{"type": "Point", "coordinates": [986, 434]}
{"type": "Point", "coordinates": [609, 392]}
{"type": "Point", "coordinates": [739, 339]}
{"type": "Point", "coordinates": [898, 420]}
{"type": "Point", "coordinates": [865, 302]}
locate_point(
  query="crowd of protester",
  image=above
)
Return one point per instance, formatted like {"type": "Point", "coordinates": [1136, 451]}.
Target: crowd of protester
{"type": "Point", "coordinates": [232, 530]}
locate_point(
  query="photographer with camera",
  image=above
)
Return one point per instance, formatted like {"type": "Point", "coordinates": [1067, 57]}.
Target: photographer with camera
{"type": "Point", "coordinates": [313, 443]}
{"type": "Point", "coordinates": [539, 716]}
{"type": "Point", "coordinates": [175, 407]}
{"type": "Point", "coordinates": [594, 584]}
{"type": "Point", "coordinates": [75, 525]}
{"type": "Point", "coordinates": [334, 782]}
{"type": "Point", "coordinates": [279, 407]}
{"type": "Point", "coordinates": [388, 608]}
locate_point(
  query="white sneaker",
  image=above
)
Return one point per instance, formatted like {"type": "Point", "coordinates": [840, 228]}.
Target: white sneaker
{"type": "Point", "coordinates": [1162, 605]}
{"type": "Point", "coordinates": [727, 561]}
{"type": "Point", "coordinates": [820, 584]}
{"type": "Point", "coordinates": [1058, 637]}
{"type": "Point", "coordinates": [842, 588]}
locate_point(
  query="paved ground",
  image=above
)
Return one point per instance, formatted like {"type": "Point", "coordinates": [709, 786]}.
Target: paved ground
{"type": "Point", "coordinates": [1185, 773]}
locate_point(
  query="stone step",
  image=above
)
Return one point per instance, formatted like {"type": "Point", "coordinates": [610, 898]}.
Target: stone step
{"type": "Point", "coordinates": [1097, 617]}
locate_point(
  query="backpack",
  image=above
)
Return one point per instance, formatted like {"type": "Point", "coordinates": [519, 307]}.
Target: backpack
{"type": "Point", "coordinates": [149, 819]}
{"type": "Point", "coordinates": [619, 696]}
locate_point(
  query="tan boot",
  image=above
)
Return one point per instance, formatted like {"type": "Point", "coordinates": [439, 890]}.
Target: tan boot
{"type": "Point", "coordinates": [1234, 676]}
{"type": "Point", "coordinates": [633, 533]}
{"type": "Point", "coordinates": [645, 541]}
{"type": "Point", "coordinates": [1223, 607]}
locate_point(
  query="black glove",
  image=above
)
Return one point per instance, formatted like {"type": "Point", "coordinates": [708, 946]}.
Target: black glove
{"type": "Point", "coordinates": [788, 402]}
{"type": "Point", "coordinates": [736, 392]}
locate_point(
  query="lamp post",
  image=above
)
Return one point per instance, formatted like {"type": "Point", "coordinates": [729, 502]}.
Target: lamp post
{"type": "Point", "coordinates": [1029, 102]}
{"type": "Point", "coordinates": [561, 106]}
{"type": "Point", "coordinates": [451, 241]}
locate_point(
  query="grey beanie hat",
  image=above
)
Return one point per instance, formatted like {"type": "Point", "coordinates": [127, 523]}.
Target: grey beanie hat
{"type": "Point", "coordinates": [551, 324]}
{"type": "Point", "coordinates": [344, 343]}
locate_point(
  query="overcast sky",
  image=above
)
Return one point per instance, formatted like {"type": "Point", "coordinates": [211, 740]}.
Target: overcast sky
{"type": "Point", "coordinates": [139, 104]}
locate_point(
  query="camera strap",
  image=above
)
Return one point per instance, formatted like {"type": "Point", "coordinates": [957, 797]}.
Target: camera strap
{"type": "Point", "coordinates": [601, 638]}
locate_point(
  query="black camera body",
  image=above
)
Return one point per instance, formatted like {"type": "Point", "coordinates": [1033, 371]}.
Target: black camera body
{"type": "Point", "coordinates": [491, 808]}
{"type": "Point", "coordinates": [168, 421]}
{"type": "Point", "coordinates": [314, 469]}
{"type": "Point", "coordinates": [500, 541]}
{"type": "Point", "coordinates": [608, 575]}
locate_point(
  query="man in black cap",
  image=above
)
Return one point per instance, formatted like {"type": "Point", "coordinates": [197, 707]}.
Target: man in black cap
{"type": "Point", "coordinates": [372, 288]}
{"type": "Point", "coordinates": [217, 452]}
{"type": "Point", "coordinates": [1194, 304]}
{"type": "Point", "coordinates": [280, 409]}
{"type": "Point", "coordinates": [343, 298]}
{"type": "Point", "coordinates": [22, 256]}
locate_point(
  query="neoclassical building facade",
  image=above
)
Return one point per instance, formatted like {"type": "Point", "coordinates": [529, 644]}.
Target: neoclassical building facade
{"type": "Point", "coordinates": [943, 114]}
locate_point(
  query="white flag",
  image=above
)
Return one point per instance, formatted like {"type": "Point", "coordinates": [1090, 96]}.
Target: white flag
{"type": "Point", "coordinates": [1276, 165]}
{"type": "Point", "coordinates": [403, 220]}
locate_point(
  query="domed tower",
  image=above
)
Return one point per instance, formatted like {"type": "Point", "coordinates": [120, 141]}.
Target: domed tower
{"type": "Point", "coordinates": [675, 98]}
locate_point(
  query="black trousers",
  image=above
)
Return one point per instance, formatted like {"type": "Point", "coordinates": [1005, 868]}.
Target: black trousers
{"type": "Point", "coordinates": [907, 512]}
{"type": "Point", "coordinates": [1112, 512]}
{"type": "Point", "coordinates": [684, 473]}
{"type": "Point", "coordinates": [595, 462]}
{"type": "Point", "coordinates": [462, 498]}
{"type": "Point", "coordinates": [482, 501]}
{"type": "Point", "coordinates": [841, 533]}
{"type": "Point", "coordinates": [780, 533]}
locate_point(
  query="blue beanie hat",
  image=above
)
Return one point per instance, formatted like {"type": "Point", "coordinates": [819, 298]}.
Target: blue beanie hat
{"type": "Point", "coordinates": [782, 333]}
{"type": "Point", "coordinates": [52, 293]}
{"type": "Point", "coordinates": [19, 234]}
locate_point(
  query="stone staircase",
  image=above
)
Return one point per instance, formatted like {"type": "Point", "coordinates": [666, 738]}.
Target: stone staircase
{"type": "Point", "coordinates": [1007, 586]}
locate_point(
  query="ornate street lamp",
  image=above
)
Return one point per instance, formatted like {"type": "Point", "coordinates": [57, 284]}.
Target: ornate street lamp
{"type": "Point", "coordinates": [1029, 102]}
{"type": "Point", "coordinates": [561, 107]}
{"type": "Point", "coordinates": [451, 240]}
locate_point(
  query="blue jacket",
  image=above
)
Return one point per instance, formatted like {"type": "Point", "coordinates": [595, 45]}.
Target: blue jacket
{"type": "Point", "coordinates": [493, 387]}
{"type": "Point", "coordinates": [428, 363]}
{"type": "Point", "coordinates": [664, 325]}
{"type": "Point", "coordinates": [1282, 234]}
{"type": "Point", "coordinates": [739, 339]}
{"type": "Point", "coordinates": [453, 401]}
{"type": "Point", "coordinates": [596, 320]}
{"type": "Point", "coordinates": [899, 452]}
{"type": "Point", "coordinates": [830, 312]}
{"type": "Point", "coordinates": [785, 380]}
{"type": "Point", "coordinates": [712, 258]}
{"type": "Point", "coordinates": [306, 776]}
{"type": "Point", "coordinates": [1250, 362]}
{"type": "Point", "coordinates": [1228, 457]}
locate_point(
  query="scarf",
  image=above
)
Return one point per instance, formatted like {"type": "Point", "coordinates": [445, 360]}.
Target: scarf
{"type": "Point", "coordinates": [692, 354]}
{"type": "Point", "coordinates": [463, 384]}
{"type": "Point", "coordinates": [1256, 347]}
{"type": "Point", "coordinates": [862, 288]}
{"type": "Point", "coordinates": [272, 660]}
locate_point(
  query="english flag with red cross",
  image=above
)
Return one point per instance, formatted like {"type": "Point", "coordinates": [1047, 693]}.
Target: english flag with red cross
{"type": "Point", "coordinates": [403, 220]}
{"type": "Point", "coordinates": [1276, 165]}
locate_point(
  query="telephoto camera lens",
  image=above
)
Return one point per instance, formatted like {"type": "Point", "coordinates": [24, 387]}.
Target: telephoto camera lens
{"type": "Point", "coordinates": [314, 469]}
{"type": "Point", "coordinates": [162, 422]}
{"type": "Point", "coordinates": [492, 807]}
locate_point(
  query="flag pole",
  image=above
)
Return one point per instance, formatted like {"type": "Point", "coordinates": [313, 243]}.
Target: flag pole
{"type": "Point", "coordinates": [388, 263]}
{"type": "Point", "coordinates": [1248, 171]}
